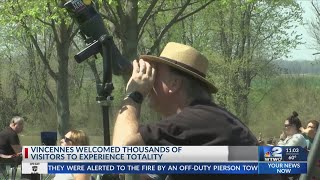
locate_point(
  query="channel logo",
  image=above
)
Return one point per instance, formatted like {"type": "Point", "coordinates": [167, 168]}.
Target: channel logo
{"type": "Point", "coordinates": [272, 153]}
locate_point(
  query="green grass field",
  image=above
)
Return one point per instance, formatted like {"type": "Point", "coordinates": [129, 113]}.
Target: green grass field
{"type": "Point", "coordinates": [271, 102]}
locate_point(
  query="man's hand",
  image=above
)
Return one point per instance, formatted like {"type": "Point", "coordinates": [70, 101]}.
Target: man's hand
{"type": "Point", "coordinates": [126, 128]}
{"type": "Point", "coordinates": [142, 79]}
{"type": "Point", "coordinates": [18, 154]}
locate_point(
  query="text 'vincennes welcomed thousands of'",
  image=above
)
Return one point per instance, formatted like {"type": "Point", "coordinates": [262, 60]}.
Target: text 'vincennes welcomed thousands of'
{"type": "Point", "coordinates": [104, 149]}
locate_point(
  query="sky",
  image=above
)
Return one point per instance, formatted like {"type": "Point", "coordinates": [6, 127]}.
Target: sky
{"type": "Point", "coordinates": [305, 51]}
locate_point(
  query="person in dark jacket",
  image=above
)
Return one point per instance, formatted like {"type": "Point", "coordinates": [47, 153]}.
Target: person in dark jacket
{"type": "Point", "coordinates": [176, 86]}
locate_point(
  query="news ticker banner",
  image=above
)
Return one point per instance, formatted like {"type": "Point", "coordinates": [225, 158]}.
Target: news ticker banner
{"type": "Point", "coordinates": [164, 159]}
{"type": "Point", "coordinates": [166, 168]}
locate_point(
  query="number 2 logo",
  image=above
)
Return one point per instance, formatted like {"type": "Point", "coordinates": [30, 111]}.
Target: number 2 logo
{"type": "Point", "coordinates": [276, 152]}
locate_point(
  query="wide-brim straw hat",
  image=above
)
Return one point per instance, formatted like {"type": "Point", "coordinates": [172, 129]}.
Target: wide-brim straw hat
{"type": "Point", "coordinates": [186, 59]}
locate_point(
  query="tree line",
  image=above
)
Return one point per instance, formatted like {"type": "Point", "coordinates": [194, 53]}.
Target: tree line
{"type": "Point", "coordinates": [299, 67]}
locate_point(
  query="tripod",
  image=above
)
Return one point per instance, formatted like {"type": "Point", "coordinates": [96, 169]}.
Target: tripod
{"type": "Point", "coordinates": [104, 89]}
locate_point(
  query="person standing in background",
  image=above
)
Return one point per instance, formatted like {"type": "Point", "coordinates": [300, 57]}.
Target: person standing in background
{"type": "Point", "coordinates": [309, 132]}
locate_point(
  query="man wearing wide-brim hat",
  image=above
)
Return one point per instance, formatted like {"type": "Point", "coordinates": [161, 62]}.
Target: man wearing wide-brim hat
{"type": "Point", "coordinates": [176, 86]}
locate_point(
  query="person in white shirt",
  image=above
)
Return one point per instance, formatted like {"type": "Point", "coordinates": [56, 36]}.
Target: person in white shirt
{"type": "Point", "coordinates": [291, 135]}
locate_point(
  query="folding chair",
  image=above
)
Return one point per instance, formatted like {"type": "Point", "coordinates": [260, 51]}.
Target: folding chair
{"type": "Point", "coordinates": [49, 138]}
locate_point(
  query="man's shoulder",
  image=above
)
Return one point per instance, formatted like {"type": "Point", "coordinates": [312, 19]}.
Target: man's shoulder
{"type": "Point", "coordinates": [205, 112]}
{"type": "Point", "coordinates": [7, 131]}
{"type": "Point", "coordinates": [7, 134]}
{"type": "Point", "coordinates": [208, 107]}
{"type": "Point", "coordinates": [4, 131]}
{"type": "Point", "coordinates": [214, 122]}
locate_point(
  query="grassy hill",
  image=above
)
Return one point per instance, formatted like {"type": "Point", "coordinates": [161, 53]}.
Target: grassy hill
{"type": "Point", "coordinates": [271, 102]}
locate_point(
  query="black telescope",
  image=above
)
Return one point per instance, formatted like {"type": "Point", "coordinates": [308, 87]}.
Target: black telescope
{"type": "Point", "coordinates": [94, 32]}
